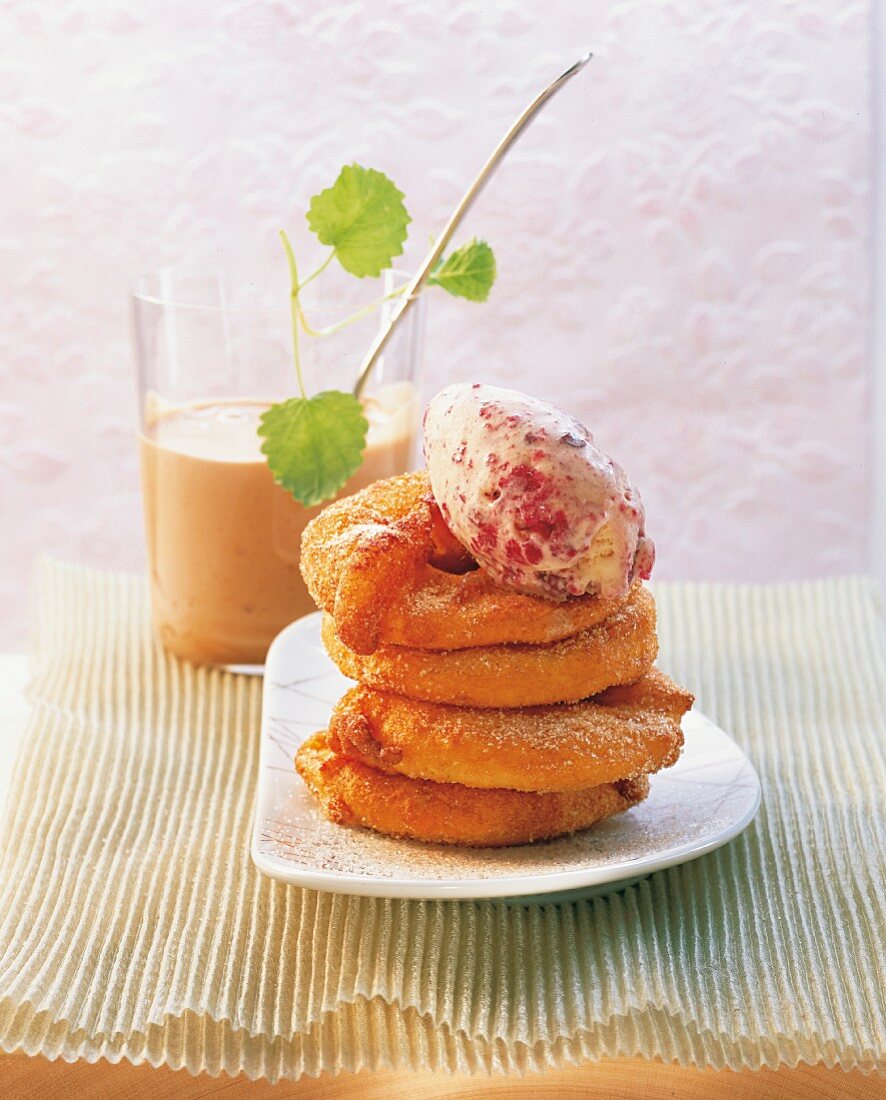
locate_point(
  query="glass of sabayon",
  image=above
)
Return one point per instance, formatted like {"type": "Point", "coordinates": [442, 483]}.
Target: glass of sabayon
{"type": "Point", "coordinates": [214, 350]}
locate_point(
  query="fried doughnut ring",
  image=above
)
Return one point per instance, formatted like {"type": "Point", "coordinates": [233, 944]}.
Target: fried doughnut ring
{"type": "Point", "coordinates": [369, 561]}
{"type": "Point", "coordinates": [621, 733]}
{"type": "Point", "coordinates": [444, 813]}
{"type": "Point", "coordinates": [617, 651]}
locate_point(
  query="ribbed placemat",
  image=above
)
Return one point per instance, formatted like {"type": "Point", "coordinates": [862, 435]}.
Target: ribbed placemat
{"type": "Point", "coordinates": [133, 924]}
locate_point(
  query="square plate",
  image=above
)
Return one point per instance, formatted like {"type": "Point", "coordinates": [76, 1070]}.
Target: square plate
{"type": "Point", "coordinates": [708, 797]}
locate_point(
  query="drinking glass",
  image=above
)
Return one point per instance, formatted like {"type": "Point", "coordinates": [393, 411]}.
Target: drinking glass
{"type": "Point", "coordinates": [213, 351]}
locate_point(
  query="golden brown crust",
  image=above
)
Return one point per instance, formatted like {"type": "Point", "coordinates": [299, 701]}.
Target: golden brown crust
{"type": "Point", "coordinates": [366, 560]}
{"type": "Point", "coordinates": [624, 732]}
{"type": "Point", "coordinates": [654, 692]}
{"type": "Point", "coordinates": [619, 650]}
{"type": "Point", "coordinates": [351, 793]}
{"type": "Point", "coordinates": [437, 610]}
{"type": "Point", "coordinates": [357, 554]}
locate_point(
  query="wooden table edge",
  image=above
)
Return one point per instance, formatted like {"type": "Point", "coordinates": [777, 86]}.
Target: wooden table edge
{"type": "Point", "coordinates": [24, 1077]}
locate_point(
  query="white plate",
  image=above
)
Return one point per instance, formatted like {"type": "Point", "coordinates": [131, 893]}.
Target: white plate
{"type": "Point", "coordinates": [705, 800]}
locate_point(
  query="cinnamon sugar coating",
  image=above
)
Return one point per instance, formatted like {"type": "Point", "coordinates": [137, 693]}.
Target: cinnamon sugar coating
{"type": "Point", "coordinates": [368, 560]}
{"type": "Point", "coordinates": [621, 733]}
{"type": "Point", "coordinates": [618, 650]}
{"type": "Point", "coordinates": [445, 813]}
{"type": "Point", "coordinates": [483, 716]}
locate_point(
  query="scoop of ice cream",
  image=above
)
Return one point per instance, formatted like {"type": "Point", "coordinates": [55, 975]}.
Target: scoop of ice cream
{"type": "Point", "coordinates": [523, 487]}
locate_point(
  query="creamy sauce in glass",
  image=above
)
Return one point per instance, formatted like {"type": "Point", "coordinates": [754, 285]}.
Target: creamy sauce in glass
{"type": "Point", "coordinates": [223, 538]}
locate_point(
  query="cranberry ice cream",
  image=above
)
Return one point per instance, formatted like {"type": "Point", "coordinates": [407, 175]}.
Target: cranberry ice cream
{"type": "Point", "coordinates": [524, 488]}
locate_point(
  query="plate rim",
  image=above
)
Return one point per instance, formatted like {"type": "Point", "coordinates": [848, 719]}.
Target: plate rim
{"type": "Point", "coordinates": [538, 885]}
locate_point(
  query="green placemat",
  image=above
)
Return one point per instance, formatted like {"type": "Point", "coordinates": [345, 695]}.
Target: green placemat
{"type": "Point", "coordinates": [134, 925]}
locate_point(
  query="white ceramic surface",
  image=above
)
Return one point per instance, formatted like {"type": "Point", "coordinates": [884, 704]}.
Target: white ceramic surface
{"type": "Point", "coordinates": [704, 801]}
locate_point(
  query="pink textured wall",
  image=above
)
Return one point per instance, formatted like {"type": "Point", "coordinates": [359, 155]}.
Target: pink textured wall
{"type": "Point", "coordinates": [681, 238]}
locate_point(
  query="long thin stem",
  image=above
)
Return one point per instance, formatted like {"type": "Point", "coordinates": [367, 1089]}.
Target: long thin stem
{"type": "Point", "coordinates": [308, 328]}
{"type": "Point", "coordinates": [294, 307]}
{"type": "Point", "coordinates": [361, 313]}
{"type": "Point", "coordinates": [319, 270]}
{"type": "Point", "coordinates": [298, 313]}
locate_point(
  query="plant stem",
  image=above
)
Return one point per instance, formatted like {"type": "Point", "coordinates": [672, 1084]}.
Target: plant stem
{"type": "Point", "coordinates": [294, 307]}
{"type": "Point", "coordinates": [309, 329]}
{"type": "Point", "coordinates": [364, 311]}
{"type": "Point", "coordinates": [319, 270]}
{"type": "Point", "coordinates": [298, 313]}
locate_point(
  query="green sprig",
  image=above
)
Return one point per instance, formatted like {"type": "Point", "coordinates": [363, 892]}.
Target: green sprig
{"type": "Point", "coordinates": [314, 444]}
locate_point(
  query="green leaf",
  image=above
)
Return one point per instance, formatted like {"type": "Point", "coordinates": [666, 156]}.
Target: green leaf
{"type": "Point", "coordinates": [313, 445]}
{"type": "Point", "coordinates": [363, 217]}
{"type": "Point", "coordinates": [469, 272]}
